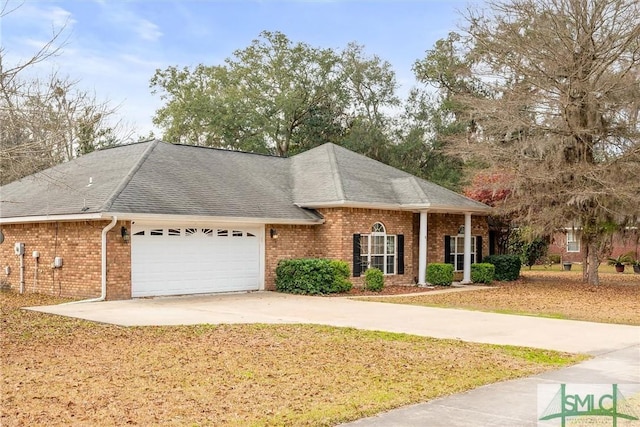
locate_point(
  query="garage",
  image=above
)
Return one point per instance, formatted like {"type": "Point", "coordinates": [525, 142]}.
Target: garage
{"type": "Point", "coordinates": [181, 260]}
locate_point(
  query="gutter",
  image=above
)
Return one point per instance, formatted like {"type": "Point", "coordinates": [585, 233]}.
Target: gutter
{"type": "Point", "coordinates": [103, 293]}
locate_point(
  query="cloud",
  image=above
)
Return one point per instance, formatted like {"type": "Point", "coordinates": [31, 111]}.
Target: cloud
{"type": "Point", "coordinates": [147, 30]}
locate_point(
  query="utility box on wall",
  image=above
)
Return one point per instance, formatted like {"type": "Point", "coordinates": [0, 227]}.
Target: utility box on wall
{"type": "Point", "coordinates": [18, 248]}
{"type": "Point", "coordinates": [57, 262]}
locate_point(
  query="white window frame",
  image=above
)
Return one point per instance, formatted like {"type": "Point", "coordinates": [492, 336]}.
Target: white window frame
{"type": "Point", "coordinates": [458, 257]}
{"type": "Point", "coordinates": [573, 241]}
{"type": "Point", "coordinates": [389, 257]}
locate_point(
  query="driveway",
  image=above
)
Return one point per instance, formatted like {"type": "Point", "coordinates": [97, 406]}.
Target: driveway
{"type": "Point", "coordinates": [272, 307]}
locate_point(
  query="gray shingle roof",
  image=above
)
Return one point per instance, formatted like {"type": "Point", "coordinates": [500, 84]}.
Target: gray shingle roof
{"type": "Point", "coordinates": [159, 178]}
{"type": "Point", "coordinates": [331, 174]}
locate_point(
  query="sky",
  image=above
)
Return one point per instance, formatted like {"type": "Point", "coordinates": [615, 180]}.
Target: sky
{"type": "Point", "coordinates": [113, 47]}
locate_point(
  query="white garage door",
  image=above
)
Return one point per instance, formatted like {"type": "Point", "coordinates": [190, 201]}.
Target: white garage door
{"type": "Point", "coordinates": [189, 260]}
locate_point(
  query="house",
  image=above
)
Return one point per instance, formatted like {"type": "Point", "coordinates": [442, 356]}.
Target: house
{"type": "Point", "coordinates": [567, 243]}
{"type": "Point", "coordinates": [154, 218]}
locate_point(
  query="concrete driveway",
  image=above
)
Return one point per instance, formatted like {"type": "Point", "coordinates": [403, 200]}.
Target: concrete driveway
{"type": "Point", "coordinates": [272, 307]}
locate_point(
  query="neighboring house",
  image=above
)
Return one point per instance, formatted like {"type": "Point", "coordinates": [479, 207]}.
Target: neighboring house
{"type": "Point", "coordinates": [153, 218]}
{"type": "Point", "coordinates": [567, 244]}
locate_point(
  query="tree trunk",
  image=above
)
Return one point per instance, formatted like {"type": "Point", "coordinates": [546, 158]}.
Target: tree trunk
{"type": "Point", "coordinates": [592, 264]}
{"type": "Point", "coordinates": [584, 244]}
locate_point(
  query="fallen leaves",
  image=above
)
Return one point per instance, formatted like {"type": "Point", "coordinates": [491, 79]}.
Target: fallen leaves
{"type": "Point", "coordinates": [551, 294]}
{"type": "Point", "coordinates": [61, 371]}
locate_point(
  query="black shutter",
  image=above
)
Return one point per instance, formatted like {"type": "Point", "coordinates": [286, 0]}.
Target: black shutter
{"type": "Point", "coordinates": [479, 249]}
{"type": "Point", "coordinates": [400, 253]}
{"type": "Point", "coordinates": [357, 263]}
{"type": "Point", "coordinates": [447, 249]}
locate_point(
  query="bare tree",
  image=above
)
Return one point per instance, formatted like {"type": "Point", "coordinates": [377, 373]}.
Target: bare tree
{"type": "Point", "coordinates": [561, 115]}
{"type": "Point", "coordinates": [46, 121]}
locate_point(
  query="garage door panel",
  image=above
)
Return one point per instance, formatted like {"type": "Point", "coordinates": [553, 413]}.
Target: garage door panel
{"type": "Point", "coordinates": [185, 260]}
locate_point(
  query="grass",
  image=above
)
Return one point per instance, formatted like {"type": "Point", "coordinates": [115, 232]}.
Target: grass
{"type": "Point", "coordinates": [548, 293]}
{"type": "Point", "coordinates": [62, 371]}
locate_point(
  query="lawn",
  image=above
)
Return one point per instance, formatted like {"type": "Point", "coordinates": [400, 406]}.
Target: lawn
{"type": "Point", "coordinates": [62, 371]}
{"type": "Point", "coordinates": [549, 292]}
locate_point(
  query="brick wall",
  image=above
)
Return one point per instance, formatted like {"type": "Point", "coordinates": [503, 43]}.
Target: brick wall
{"type": "Point", "coordinates": [79, 246]}
{"type": "Point", "coordinates": [622, 244]}
{"type": "Point", "coordinates": [440, 225]}
{"type": "Point", "coordinates": [334, 238]}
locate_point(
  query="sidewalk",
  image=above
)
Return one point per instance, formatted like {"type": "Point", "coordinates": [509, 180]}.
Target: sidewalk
{"type": "Point", "coordinates": [515, 403]}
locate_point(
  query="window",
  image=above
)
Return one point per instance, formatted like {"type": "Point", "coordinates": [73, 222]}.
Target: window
{"type": "Point", "coordinates": [573, 241]}
{"type": "Point", "coordinates": [378, 250]}
{"type": "Point", "coordinates": [456, 252]}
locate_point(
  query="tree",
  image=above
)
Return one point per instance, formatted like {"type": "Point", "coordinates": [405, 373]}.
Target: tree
{"type": "Point", "coordinates": [561, 113]}
{"type": "Point", "coordinates": [261, 100]}
{"type": "Point", "coordinates": [46, 121]}
{"type": "Point", "coordinates": [280, 97]}
{"type": "Point", "coordinates": [436, 118]}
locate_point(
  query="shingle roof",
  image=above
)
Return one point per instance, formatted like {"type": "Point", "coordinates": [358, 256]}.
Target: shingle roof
{"type": "Point", "coordinates": [160, 178]}
{"type": "Point", "coordinates": [330, 175]}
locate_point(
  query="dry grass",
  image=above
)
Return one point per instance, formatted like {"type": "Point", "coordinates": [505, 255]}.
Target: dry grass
{"type": "Point", "coordinates": [61, 371]}
{"type": "Point", "coordinates": [549, 293]}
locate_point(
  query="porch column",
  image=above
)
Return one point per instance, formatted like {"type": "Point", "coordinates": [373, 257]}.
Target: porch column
{"type": "Point", "coordinates": [422, 249]}
{"type": "Point", "coordinates": [466, 275]}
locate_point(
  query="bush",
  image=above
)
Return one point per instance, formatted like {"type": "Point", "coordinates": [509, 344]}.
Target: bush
{"type": "Point", "coordinates": [440, 274]}
{"type": "Point", "coordinates": [341, 273]}
{"type": "Point", "coordinates": [554, 258]}
{"type": "Point", "coordinates": [312, 276]}
{"type": "Point", "coordinates": [507, 266]}
{"type": "Point", "coordinates": [482, 272]}
{"type": "Point", "coordinates": [373, 280]}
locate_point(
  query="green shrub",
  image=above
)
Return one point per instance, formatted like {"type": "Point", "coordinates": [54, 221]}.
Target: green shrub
{"type": "Point", "coordinates": [312, 276]}
{"type": "Point", "coordinates": [373, 280]}
{"type": "Point", "coordinates": [482, 272]}
{"type": "Point", "coordinates": [554, 258]}
{"type": "Point", "coordinates": [507, 266]}
{"type": "Point", "coordinates": [341, 273]}
{"type": "Point", "coordinates": [440, 274]}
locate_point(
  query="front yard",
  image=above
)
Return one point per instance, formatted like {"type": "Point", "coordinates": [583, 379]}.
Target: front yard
{"type": "Point", "coordinates": [548, 293]}
{"type": "Point", "coordinates": [61, 371]}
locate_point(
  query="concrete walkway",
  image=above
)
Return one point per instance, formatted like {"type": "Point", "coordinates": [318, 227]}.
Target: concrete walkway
{"type": "Point", "coordinates": [511, 403]}
{"type": "Point", "coordinates": [271, 307]}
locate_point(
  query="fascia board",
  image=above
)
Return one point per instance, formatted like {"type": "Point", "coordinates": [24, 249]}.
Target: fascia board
{"type": "Point", "coordinates": [161, 218]}
{"type": "Point", "coordinates": [51, 218]}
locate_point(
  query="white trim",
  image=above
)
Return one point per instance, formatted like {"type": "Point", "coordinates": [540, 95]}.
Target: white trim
{"type": "Point", "coordinates": [396, 207]}
{"type": "Point", "coordinates": [158, 218]}
{"type": "Point", "coordinates": [54, 218]}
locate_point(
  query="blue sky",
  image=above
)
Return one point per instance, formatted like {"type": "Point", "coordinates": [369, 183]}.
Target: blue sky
{"type": "Point", "coordinates": [113, 47]}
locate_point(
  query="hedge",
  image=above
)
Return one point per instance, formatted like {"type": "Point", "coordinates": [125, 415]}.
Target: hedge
{"type": "Point", "coordinates": [312, 276]}
{"type": "Point", "coordinates": [482, 272]}
{"type": "Point", "coordinates": [507, 266]}
{"type": "Point", "coordinates": [440, 274]}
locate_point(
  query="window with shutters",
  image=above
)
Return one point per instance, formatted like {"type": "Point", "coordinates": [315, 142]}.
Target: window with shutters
{"type": "Point", "coordinates": [378, 250]}
{"type": "Point", "coordinates": [456, 251]}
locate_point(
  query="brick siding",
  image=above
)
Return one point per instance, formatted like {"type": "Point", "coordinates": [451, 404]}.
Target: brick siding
{"type": "Point", "coordinates": [79, 246]}
{"type": "Point", "coordinates": [334, 238]}
{"type": "Point", "coordinates": [78, 243]}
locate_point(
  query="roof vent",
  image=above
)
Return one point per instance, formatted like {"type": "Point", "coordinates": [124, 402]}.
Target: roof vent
{"type": "Point", "coordinates": [90, 181]}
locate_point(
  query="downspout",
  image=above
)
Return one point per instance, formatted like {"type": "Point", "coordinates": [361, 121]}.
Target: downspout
{"type": "Point", "coordinates": [103, 293]}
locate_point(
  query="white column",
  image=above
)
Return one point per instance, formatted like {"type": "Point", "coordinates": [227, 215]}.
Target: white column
{"type": "Point", "coordinates": [422, 249]}
{"type": "Point", "coordinates": [466, 275]}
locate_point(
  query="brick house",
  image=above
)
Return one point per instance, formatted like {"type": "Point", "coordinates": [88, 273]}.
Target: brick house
{"type": "Point", "coordinates": [153, 218]}
{"type": "Point", "coordinates": [567, 243]}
